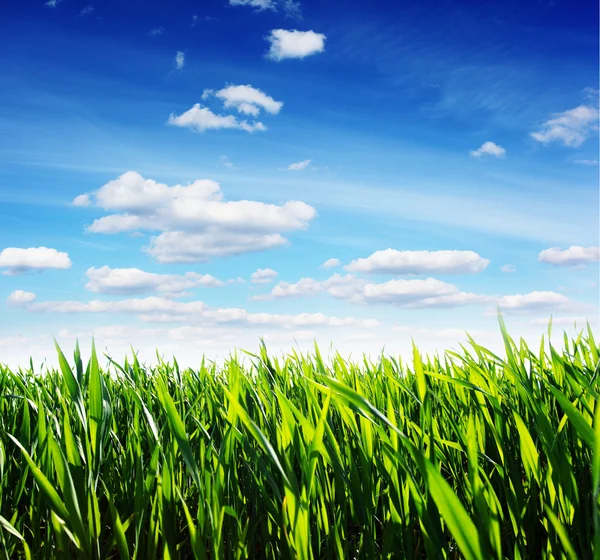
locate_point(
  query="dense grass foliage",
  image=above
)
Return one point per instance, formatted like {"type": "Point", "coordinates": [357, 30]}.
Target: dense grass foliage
{"type": "Point", "coordinates": [468, 455]}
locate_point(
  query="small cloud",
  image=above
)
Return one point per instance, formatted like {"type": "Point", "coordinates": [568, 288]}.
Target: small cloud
{"type": "Point", "coordinates": [52, 3]}
{"type": "Point", "coordinates": [589, 162]}
{"type": "Point", "coordinates": [224, 161]}
{"type": "Point", "coordinates": [82, 200]}
{"type": "Point", "coordinates": [570, 128]}
{"type": "Point", "coordinates": [573, 256]}
{"type": "Point", "coordinates": [294, 44]}
{"type": "Point", "coordinates": [331, 263]}
{"type": "Point", "coordinates": [298, 166]}
{"type": "Point", "coordinates": [194, 20]}
{"type": "Point", "coordinates": [246, 99]}
{"type": "Point", "coordinates": [201, 118]}
{"type": "Point", "coordinates": [20, 297]}
{"type": "Point", "coordinates": [88, 10]}
{"type": "Point", "coordinates": [489, 148]}
{"type": "Point", "coordinates": [258, 4]}
{"type": "Point", "coordinates": [263, 276]}
{"type": "Point", "coordinates": [156, 31]}
{"type": "Point", "coordinates": [508, 268]}
{"type": "Point", "coordinates": [18, 260]}
{"type": "Point", "coordinates": [179, 60]}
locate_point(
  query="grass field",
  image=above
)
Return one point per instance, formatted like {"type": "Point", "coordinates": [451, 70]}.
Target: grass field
{"type": "Point", "coordinates": [464, 455]}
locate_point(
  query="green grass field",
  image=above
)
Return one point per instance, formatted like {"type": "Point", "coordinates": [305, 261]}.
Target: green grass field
{"type": "Point", "coordinates": [463, 455]}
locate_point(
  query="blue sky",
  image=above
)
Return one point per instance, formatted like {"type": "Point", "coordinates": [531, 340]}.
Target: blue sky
{"type": "Point", "coordinates": [452, 146]}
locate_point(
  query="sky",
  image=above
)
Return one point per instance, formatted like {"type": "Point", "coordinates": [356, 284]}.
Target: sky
{"type": "Point", "coordinates": [192, 177]}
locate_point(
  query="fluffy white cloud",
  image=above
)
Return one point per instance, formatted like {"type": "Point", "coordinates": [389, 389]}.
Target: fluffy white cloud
{"type": "Point", "coordinates": [331, 263]}
{"type": "Point", "coordinates": [179, 60]}
{"type": "Point", "coordinates": [263, 276]}
{"type": "Point", "coordinates": [407, 293]}
{"type": "Point", "coordinates": [391, 261]}
{"type": "Point", "coordinates": [18, 260]}
{"type": "Point", "coordinates": [489, 148]}
{"type": "Point", "coordinates": [248, 100]}
{"type": "Point", "coordinates": [508, 268]}
{"type": "Point", "coordinates": [201, 118]}
{"type": "Point", "coordinates": [298, 166]}
{"type": "Point", "coordinates": [183, 247]}
{"type": "Point", "coordinates": [82, 200]}
{"type": "Point", "coordinates": [573, 256]}
{"type": "Point", "coordinates": [536, 301]}
{"type": "Point", "coordinates": [196, 223]}
{"type": "Point", "coordinates": [294, 44]}
{"type": "Point", "coordinates": [108, 280]}
{"type": "Point", "coordinates": [570, 128]}
{"type": "Point", "coordinates": [20, 297]}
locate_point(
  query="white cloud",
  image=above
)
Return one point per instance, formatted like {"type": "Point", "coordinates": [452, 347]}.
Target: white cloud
{"type": "Point", "coordinates": [52, 3]}
{"type": "Point", "coordinates": [258, 4]}
{"type": "Point", "coordinates": [489, 148]}
{"type": "Point", "coordinates": [263, 276]}
{"type": "Point", "coordinates": [535, 301]}
{"type": "Point", "coordinates": [331, 263]}
{"type": "Point", "coordinates": [248, 100]}
{"type": "Point", "coordinates": [588, 162]}
{"type": "Point", "coordinates": [570, 128]}
{"type": "Point", "coordinates": [82, 200]}
{"type": "Point", "coordinates": [183, 247]}
{"type": "Point", "coordinates": [299, 166]}
{"type": "Point", "coordinates": [159, 309]}
{"type": "Point", "coordinates": [407, 293]}
{"type": "Point", "coordinates": [196, 223]}
{"type": "Point", "coordinates": [179, 60]}
{"type": "Point", "coordinates": [508, 268]}
{"type": "Point", "coordinates": [20, 297]}
{"type": "Point", "coordinates": [201, 118]}
{"type": "Point", "coordinates": [391, 261]}
{"type": "Point", "coordinates": [294, 44]}
{"type": "Point", "coordinates": [130, 281]}
{"type": "Point", "coordinates": [573, 256]}
{"type": "Point", "coordinates": [18, 260]}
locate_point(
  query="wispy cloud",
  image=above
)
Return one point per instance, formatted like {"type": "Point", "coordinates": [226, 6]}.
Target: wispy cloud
{"type": "Point", "coordinates": [298, 166]}
{"type": "Point", "coordinates": [224, 161]}
{"type": "Point", "coordinates": [52, 3]}
{"type": "Point", "coordinates": [588, 162]}
{"type": "Point", "coordinates": [331, 263]}
{"type": "Point", "coordinates": [87, 11]}
{"type": "Point", "coordinates": [258, 4]}
{"type": "Point", "coordinates": [489, 148]}
{"type": "Point", "coordinates": [156, 31]}
{"type": "Point", "coordinates": [508, 268]}
{"type": "Point", "coordinates": [294, 44]}
{"type": "Point", "coordinates": [179, 60]}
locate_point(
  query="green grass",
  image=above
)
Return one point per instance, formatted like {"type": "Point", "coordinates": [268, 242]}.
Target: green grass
{"type": "Point", "coordinates": [469, 455]}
